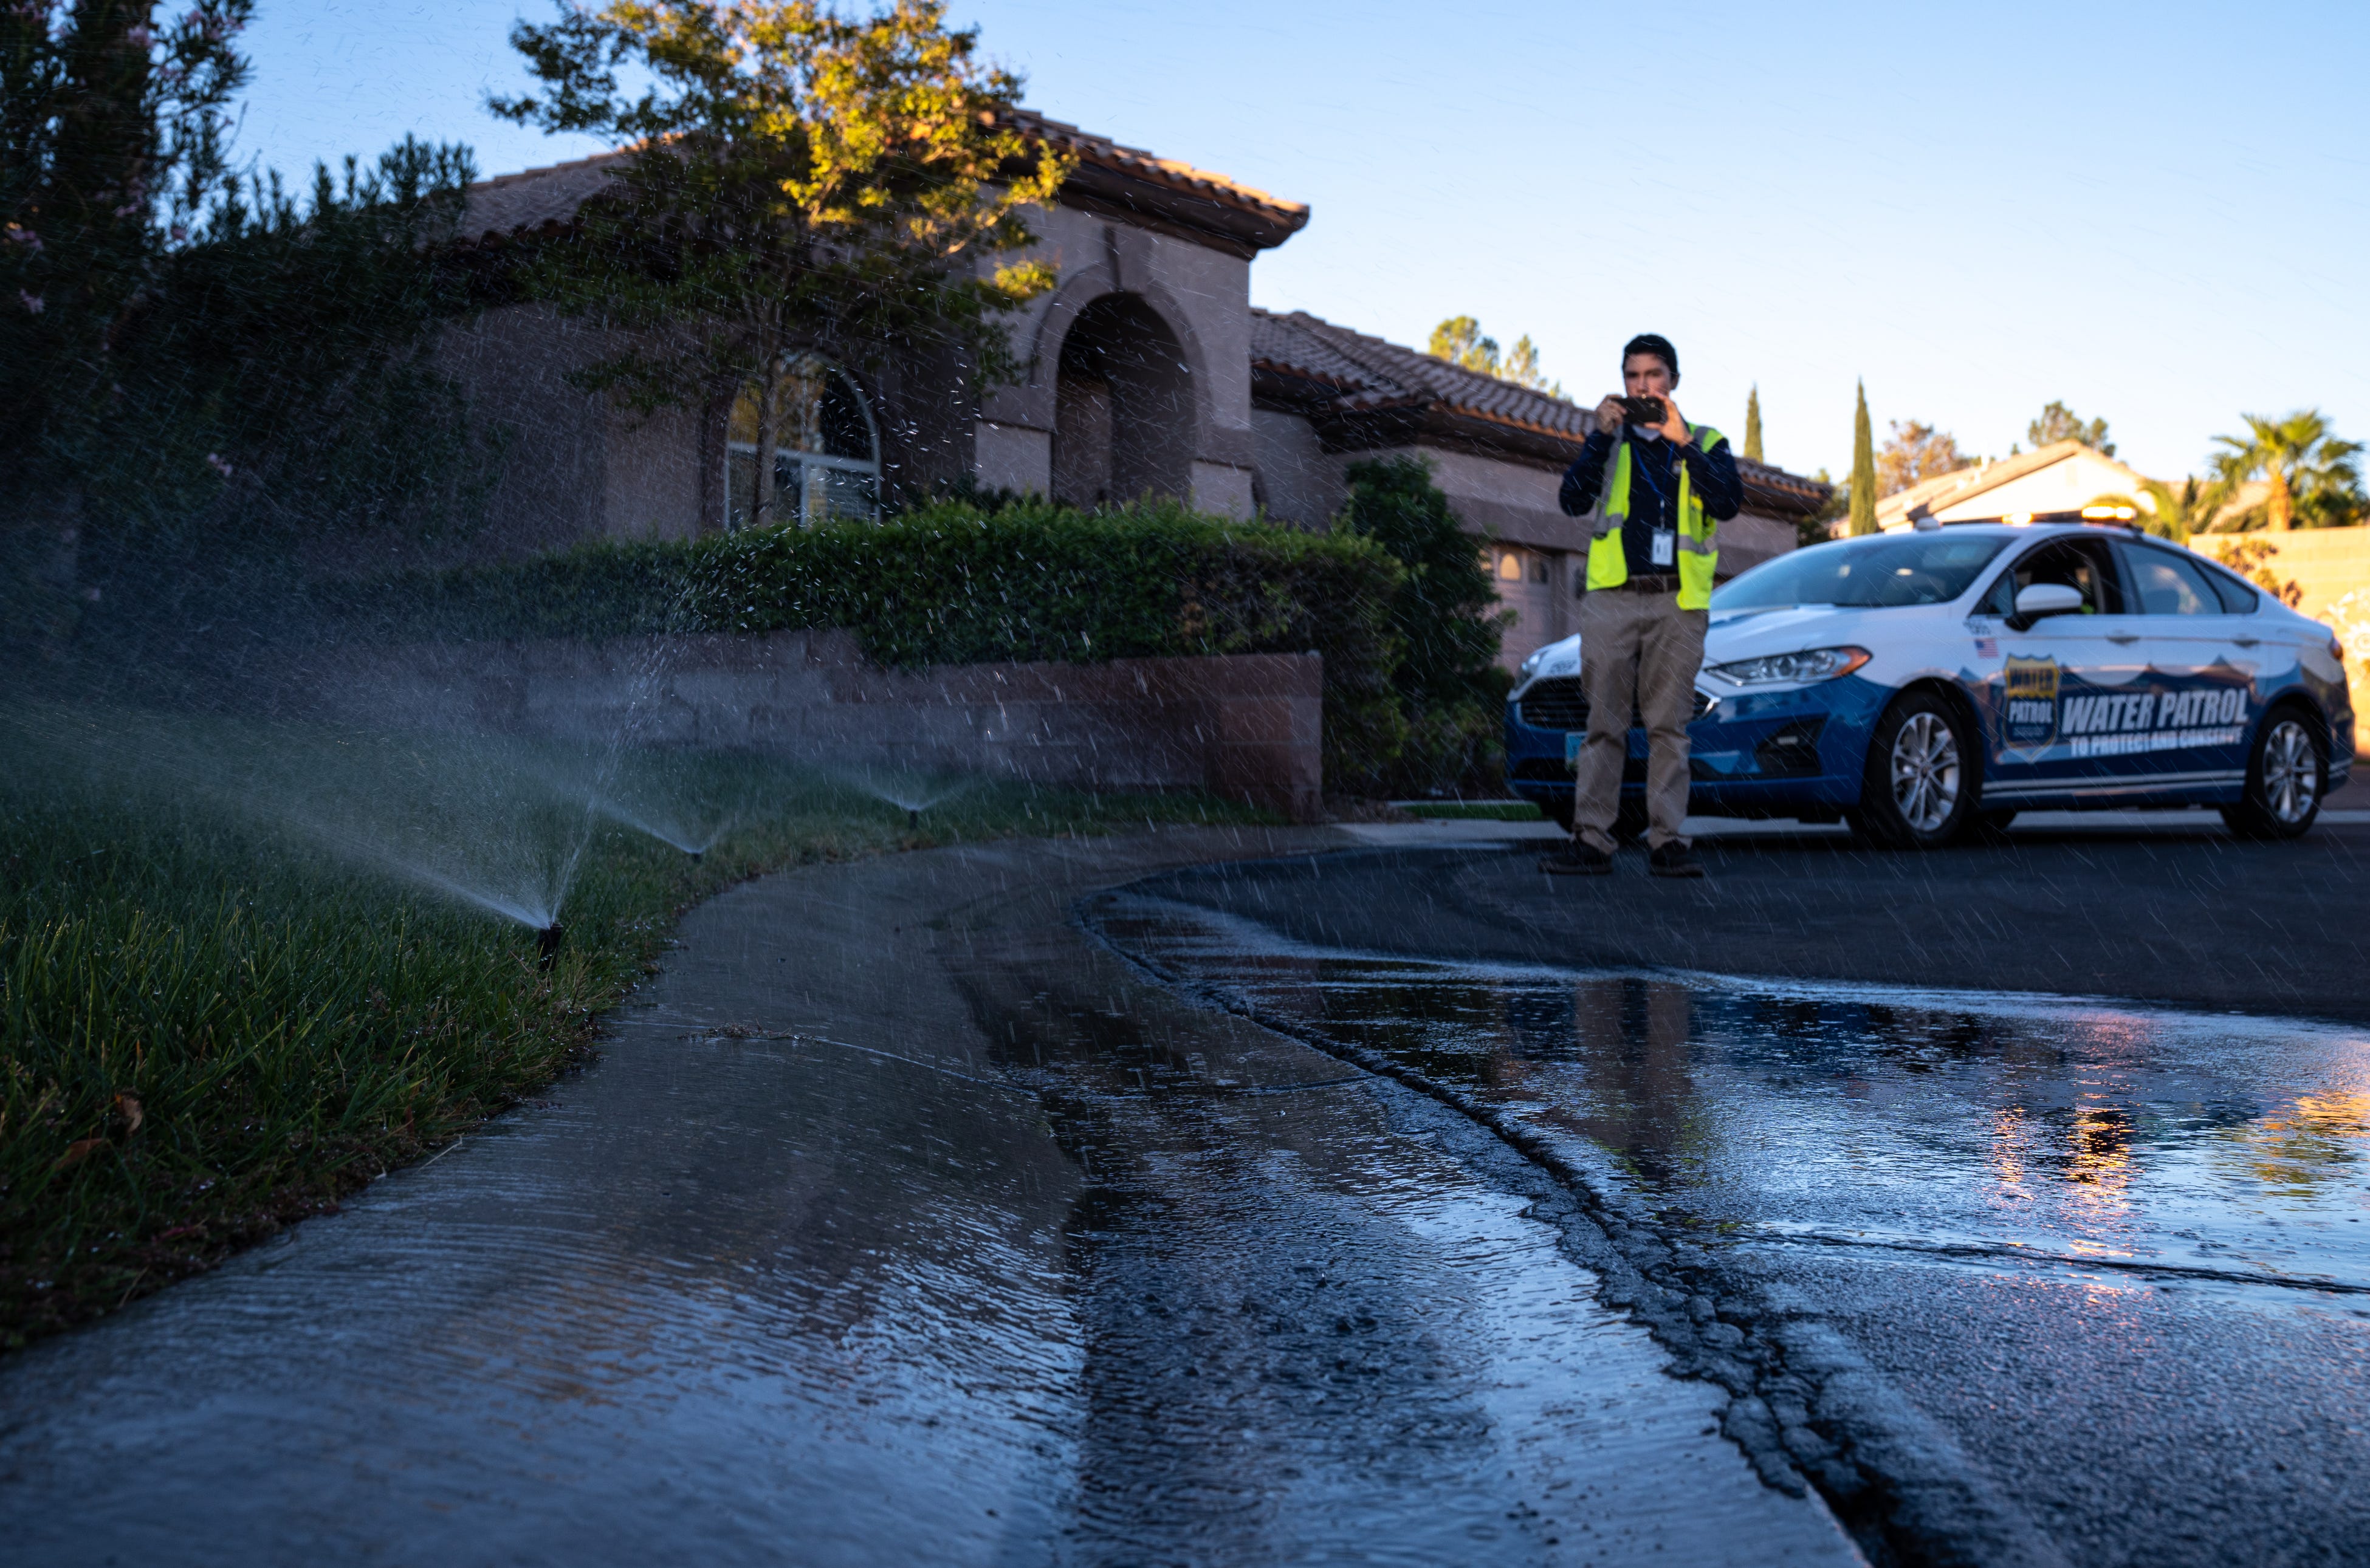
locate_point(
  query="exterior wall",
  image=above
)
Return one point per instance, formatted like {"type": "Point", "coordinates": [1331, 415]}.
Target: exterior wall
{"type": "Point", "coordinates": [512, 362]}
{"type": "Point", "coordinates": [650, 477]}
{"type": "Point", "coordinates": [1202, 295]}
{"type": "Point", "coordinates": [1247, 727]}
{"type": "Point", "coordinates": [1298, 481]}
{"type": "Point", "coordinates": [2071, 481]}
{"type": "Point", "coordinates": [1013, 457]}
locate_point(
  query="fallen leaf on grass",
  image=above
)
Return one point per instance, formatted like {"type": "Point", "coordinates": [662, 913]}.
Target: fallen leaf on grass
{"type": "Point", "coordinates": [77, 1151]}
{"type": "Point", "coordinates": [128, 1106]}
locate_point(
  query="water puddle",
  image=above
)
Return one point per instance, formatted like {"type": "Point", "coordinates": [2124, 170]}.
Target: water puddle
{"type": "Point", "coordinates": [2192, 1149]}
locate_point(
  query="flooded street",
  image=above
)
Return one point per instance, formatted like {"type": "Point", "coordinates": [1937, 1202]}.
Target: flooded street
{"type": "Point", "coordinates": [1100, 1203]}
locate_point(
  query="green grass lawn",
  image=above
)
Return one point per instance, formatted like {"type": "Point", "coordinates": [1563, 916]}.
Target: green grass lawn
{"type": "Point", "coordinates": [245, 969]}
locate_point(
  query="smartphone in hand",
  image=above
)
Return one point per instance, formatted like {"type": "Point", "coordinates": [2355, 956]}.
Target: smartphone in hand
{"type": "Point", "coordinates": [1644, 410]}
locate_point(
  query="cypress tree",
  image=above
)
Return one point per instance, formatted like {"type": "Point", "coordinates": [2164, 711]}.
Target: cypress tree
{"type": "Point", "coordinates": [1752, 424]}
{"type": "Point", "coordinates": [1863, 480]}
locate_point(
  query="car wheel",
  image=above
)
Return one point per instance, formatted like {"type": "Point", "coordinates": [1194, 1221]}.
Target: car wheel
{"type": "Point", "coordinates": [2286, 776]}
{"type": "Point", "coordinates": [1919, 789]}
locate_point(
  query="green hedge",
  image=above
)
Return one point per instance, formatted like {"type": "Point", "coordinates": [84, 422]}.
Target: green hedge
{"type": "Point", "coordinates": [951, 584]}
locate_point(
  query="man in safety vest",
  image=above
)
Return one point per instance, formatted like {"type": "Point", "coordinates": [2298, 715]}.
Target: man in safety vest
{"type": "Point", "coordinates": [1666, 486]}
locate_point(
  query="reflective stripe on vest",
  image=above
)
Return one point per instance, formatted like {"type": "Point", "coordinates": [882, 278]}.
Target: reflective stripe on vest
{"type": "Point", "coordinates": [1698, 556]}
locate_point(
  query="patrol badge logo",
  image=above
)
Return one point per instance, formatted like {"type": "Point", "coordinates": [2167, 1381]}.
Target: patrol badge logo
{"type": "Point", "coordinates": [2030, 701]}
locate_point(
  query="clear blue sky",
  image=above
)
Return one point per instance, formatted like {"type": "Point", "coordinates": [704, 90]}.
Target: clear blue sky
{"type": "Point", "coordinates": [2156, 212]}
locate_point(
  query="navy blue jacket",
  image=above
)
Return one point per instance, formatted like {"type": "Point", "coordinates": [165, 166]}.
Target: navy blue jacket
{"type": "Point", "coordinates": [1654, 489]}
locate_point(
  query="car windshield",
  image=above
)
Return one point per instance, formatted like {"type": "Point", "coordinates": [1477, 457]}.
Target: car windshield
{"type": "Point", "coordinates": [1865, 574]}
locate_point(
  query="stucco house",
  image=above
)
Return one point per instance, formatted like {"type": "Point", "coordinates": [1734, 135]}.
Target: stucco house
{"type": "Point", "coordinates": [2058, 478]}
{"type": "Point", "coordinates": [1146, 370]}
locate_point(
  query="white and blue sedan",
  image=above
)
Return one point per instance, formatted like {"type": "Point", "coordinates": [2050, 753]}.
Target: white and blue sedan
{"type": "Point", "coordinates": [1923, 684]}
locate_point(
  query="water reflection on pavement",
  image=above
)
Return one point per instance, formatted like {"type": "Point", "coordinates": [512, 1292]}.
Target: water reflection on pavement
{"type": "Point", "coordinates": [2123, 1255]}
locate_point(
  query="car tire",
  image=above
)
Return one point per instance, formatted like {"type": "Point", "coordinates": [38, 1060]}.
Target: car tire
{"type": "Point", "coordinates": [2287, 773]}
{"type": "Point", "coordinates": [1919, 789]}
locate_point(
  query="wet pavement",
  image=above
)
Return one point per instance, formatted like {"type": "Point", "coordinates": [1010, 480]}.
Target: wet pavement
{"type": "Point", "coordinates": [903, 1220]}
{"type": "Point", "coordinates": [2004, 1275]}
{"type": "Point", "coordinates": [1203, 1197]}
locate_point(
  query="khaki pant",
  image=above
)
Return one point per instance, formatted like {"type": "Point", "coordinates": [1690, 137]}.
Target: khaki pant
{"type": "Point", "coordinates": [1638, 652]}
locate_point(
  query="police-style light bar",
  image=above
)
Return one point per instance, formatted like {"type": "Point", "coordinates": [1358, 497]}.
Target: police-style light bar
{"type": "Point", "coordinates": [2110, 516]}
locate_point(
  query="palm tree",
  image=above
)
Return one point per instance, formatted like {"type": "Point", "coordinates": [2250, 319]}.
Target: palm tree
{"type": "Point", "coordinates": [2311, 474]}
{"type": "Point", "coordinates": [2178, 514]}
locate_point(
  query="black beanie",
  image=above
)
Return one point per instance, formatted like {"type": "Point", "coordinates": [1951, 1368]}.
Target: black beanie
{"type": "Point", "coordinates": [1653, 343]}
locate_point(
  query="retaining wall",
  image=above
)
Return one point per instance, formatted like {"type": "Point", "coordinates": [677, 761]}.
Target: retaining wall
{"type": "Point", "coordinates": [2332, 566]}
{"type": "Point", "coordinates": [1247, 726]}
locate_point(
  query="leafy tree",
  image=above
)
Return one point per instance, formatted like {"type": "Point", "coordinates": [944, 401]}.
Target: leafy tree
{"type": "Point", "coordinates": [2059, 423]}
{"type": "Point", "coordinates": [201, 370]}
{"type": "Point", "coordinates": [2314, 479]}
{"type": "Point", "coordinates": [1820, 526]}
{"type": "Point", "coordinates": [1863, 480]}
{"type": "Point", "coordinates": [795, 178]}
{"type": "Point", "coordinates": [1444, 617]}
{"type": "Point", "coordinates": [2252, 560]}
{"type": "Point", "coordinates": [1461, 342]}
{"type": "Point", "coordinates": [1913, 454]}
{"type": "Point", "coordinates": [1752, 424]}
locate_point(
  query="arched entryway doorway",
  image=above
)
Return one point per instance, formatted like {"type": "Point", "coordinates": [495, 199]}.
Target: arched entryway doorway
{"type": "Point", "coordinates": [1122, 407]}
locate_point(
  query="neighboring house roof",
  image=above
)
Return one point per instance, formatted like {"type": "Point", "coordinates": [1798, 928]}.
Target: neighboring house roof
{"type": "Point", "coordinates": [1961, 486]}
{"type": "Point", "coordinates": [1125, 182]}
{"type": "Point", "coordinates": [1362, 393]}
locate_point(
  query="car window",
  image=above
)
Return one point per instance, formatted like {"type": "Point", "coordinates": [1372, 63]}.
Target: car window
{"type": "Point", "coordinates": [2235, 596]}
{"type": "Point", "coordinates": [2079, 564]}
{"type": "Point", "coordinates": [1865, 574]}
{"type": "Point", "coordinates": [2163, 584]}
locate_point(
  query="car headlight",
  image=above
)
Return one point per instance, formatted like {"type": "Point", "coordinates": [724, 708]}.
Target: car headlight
{"type": "Point", "coordinates": [1532, 663]}
{"type": "Point", "coordinates": [1818, 664]}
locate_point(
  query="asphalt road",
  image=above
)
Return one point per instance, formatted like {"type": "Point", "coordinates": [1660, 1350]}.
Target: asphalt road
{"type": "Point", "coordinates": [2010, 1277]}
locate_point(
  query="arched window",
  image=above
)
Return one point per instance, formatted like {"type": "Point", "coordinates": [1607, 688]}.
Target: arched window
{"type": "Point", "coordinates": [826, 453]}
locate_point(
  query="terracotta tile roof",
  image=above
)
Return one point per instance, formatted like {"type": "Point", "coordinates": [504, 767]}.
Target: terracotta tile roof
{"type": "Point", "coordinates": [539, 198]}
{"type": "Point", "coordinates": [1365, 372]}
{"type": "Point", "coordinates": [1104, 152]}
{"type": "Point", "coordinates": [1373, 372]}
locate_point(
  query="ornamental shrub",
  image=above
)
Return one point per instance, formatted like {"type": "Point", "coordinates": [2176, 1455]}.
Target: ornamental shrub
{"type": "Point", "coordinates": [949, 583]}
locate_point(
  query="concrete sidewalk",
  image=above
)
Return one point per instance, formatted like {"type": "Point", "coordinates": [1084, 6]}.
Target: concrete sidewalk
{"type": "Point", "coordinates": [857, 1246]}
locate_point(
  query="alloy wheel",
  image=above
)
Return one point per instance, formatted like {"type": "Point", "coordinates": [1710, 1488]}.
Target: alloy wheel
{"type": "Point", "coordinates": [1925, 772]}
{"type": "Point", "coordinates": [2291, 772]}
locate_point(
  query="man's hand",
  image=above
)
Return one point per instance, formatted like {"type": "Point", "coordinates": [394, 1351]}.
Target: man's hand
{"type": "Point", "coordinates": [1673, 429]}
{"type": "Point", "coordinates": [1610, 416]}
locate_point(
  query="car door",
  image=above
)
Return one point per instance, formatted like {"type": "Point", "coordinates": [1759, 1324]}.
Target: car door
{"type": "Point", "coordinates": [2085, 662]}
{"type": "Point", "coordinates": [2198, 675]}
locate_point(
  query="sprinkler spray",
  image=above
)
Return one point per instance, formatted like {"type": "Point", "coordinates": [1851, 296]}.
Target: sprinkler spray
{"type": "Point", "coordinates": [547, 945]}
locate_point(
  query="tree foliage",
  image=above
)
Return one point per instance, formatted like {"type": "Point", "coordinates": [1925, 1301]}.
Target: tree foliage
{"type": "Point", "coordinates": [1460, 341]}
{"type": "Point", "coordinates": [793, 178]}
{"type": "Point", "coordinates": [1444, 615]}
{"type": "Point", "coordinates": [200, 367]}
{"type": "Point", "coordinates": [2311, 478]}
{"type": "Point", "coordinates": [1913, 452]}
{"type": "Point", "coordinates": [1752, 425]}
{"type": "Point", "coordinates": [2059, 423]}
{"type": "Point", "coordinates": [1863, 475]}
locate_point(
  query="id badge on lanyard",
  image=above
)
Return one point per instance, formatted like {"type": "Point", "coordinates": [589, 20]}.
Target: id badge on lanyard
{"type": "Point", "coordinates": [1666, 547]}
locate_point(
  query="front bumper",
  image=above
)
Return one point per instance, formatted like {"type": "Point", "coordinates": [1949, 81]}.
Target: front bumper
{"type": "Point", "coordinates": [1789, 753]}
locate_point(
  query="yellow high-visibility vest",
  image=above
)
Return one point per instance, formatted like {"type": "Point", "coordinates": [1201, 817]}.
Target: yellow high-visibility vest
{"type": "Point", "coordinates": [1699, 551]}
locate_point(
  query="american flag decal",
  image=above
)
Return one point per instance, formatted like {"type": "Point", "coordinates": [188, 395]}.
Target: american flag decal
{"type": "Point", "coordinates": [1987, 647]}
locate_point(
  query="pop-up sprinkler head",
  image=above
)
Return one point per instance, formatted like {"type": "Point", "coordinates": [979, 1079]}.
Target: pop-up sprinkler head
{"type": "Point", "coordinates": [913, 817]}
{"type": "Point", "coordinates": [546, 944]}
{"type": "Point", "coordinates": [696, 856]}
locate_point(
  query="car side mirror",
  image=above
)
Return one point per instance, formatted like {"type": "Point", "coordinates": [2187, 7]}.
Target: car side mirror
{"type": "Point", "coordinates": [2042, 600]}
